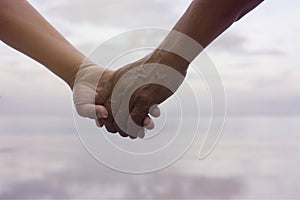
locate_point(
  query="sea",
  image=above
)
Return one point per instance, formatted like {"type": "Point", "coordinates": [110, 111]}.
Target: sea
{"type": "Point", "coordinates": [256, 157]}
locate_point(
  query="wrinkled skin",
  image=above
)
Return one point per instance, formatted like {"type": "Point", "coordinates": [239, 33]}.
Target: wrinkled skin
{"type": "Point", "coordinates": [87, 86]}
{"type": "Point", "coordinates": [129, 121]}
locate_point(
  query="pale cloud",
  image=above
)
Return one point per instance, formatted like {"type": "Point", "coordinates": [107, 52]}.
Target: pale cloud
{"type": "Point", "coordinates": [238, 45]}
{"type": "Point", "coordinates": [248, 56]}
{"type": "Point", "coordinates": [132, 13]}
{"type": "Point", "coordinates": [258, 60]}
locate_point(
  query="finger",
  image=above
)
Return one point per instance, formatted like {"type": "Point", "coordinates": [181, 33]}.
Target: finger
{"type": "Point", "coordinates": [154, 111]}
{"type": "Point", "coordinates": [136, 119]}
{"type": "Point", "coordinates": [108, 123]}
{"type": "Point", "coordinates": [104, 94]}
{"type": "Point", "coordinates": [121, 132]}
{"type": "Point", "coordinates": [148, 123]}
{"type": "Point", "coordinates": [138, 132]}
{"type": "Point", "coordinates": [132, 137]}
{"type": "Point", "coordinates": [121, 117]}
{"type": "Point", "coordinates": [91, 111]}
{"type": "Point", "coordinates": [105, 76]}
{"type": "Point", "coordinates": [141, 133]}
{"type": "Point", "coordinates": [139, 114]}
{"type": "Point", "coordinates": [101, 111]}
{"type": "Point", "coordinates": [99, 123]}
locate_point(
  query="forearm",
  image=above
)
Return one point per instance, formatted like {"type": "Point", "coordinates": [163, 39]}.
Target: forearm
{"type": "Point", "coordinates": [24, 29]}
{"type": "Point", "coordinates": [202, 23]}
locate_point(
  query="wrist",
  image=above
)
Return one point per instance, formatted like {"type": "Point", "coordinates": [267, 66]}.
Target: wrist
{"type": "Point", "coordinates": [90, 74]}
{"type": "Point", "coordinates": [170, 59]}
{"type": "Point", "coordinates": [70, 78]}
{"type": "Point", "coordinates": [77, 71]}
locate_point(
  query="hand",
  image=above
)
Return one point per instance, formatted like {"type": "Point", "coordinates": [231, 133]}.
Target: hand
{"type": "Point", "coordinates": [135, 90]}
{"type": "Point", "coordinates": [86, 86]}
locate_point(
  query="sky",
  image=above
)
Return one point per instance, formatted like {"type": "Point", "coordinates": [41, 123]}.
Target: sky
{"type": "Point", "coordinates": [257, 59]}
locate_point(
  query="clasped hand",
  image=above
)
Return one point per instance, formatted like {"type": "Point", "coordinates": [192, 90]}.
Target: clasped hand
{"type": "Point", "coordinates": [122, 100]}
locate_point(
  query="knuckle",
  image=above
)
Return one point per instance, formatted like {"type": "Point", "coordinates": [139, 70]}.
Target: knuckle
{"type": "Point", "coordinates": [81, 110]}
{"type": "Point", "coordinates": [138, 118]}
{"type": "Point", "coordinates": [123, 134]}
{"type": "Point", "coordinates": [142, 98]}
{"type": "Point", "coordinates": [100, 99]}
{"type": "Point", "coordinates": [110, 128]}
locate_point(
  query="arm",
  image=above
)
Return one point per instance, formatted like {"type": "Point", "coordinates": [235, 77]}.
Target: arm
{"type": "Point", "coordinates": [24, 29]}
{"type": "Point", "coordinates": [203, 22]}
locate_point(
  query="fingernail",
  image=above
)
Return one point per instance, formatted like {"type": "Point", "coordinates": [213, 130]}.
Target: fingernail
{"type": "Point", "coordinates": [102, 112]}
{"type": "Point", "coordinates": [103, 115]}
{"type": "Point", "coordinates": [147, 121]}
{"type": "Point", "coordinates": [141, 134]}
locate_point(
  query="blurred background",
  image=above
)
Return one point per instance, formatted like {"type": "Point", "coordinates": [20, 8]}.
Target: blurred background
{"type": "Point", "coordinates": [258, 155]}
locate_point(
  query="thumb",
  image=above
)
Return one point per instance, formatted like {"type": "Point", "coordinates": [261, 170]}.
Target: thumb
{"type": "Point", "coordinates": [92, 111]}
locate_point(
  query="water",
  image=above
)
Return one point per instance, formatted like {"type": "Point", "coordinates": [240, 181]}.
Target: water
{"type": "Point", "coordinates": [257, 157]}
